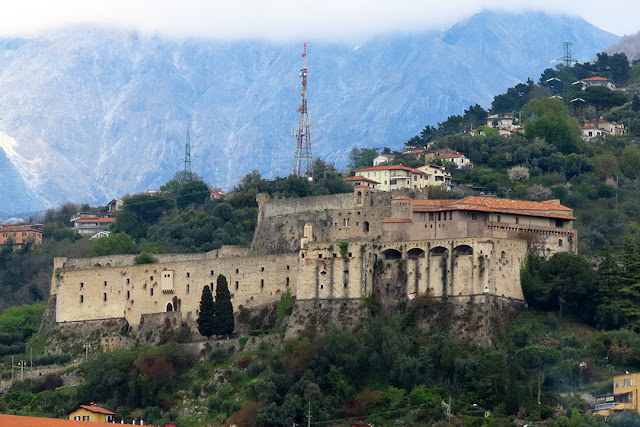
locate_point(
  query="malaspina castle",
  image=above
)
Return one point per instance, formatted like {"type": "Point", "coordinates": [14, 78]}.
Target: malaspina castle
{"type": "Point", "coordinates": [331, 252]}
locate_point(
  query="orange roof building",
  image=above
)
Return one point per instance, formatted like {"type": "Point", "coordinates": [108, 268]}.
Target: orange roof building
{"type": "Point", "coordinates": [547, 225]}
{"type": "Point", "coordinates": [22, 421]}
{"type": "Point", "coordinates": [394, 177]}
{"type": "Point", "coordinates": [20, 234]}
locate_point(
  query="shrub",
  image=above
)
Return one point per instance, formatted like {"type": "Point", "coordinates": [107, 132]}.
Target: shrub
{"type": "Point", "coordinates": [145, 258]}
{"type": "Point", "coordinates": [218, 355]}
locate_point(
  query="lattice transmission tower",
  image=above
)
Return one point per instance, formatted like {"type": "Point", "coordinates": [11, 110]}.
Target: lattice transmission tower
{"type": "Point", "coordinates": [187, 153]}
{"type": "Point", "coordinates": [303, 166]}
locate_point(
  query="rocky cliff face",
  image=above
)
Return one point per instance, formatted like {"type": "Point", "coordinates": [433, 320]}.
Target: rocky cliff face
{"type": "Point", "coordinates": [88, 115]}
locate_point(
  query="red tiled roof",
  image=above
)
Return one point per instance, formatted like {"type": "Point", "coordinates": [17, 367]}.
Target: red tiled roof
{"type": "Point", "coordinates": [396, 221]}
{"type": "Point", "coordinates": [388, 156]}
{"type": "Point", "coordinates": [22, 229]}
{"type": "Point", "coordinates": [359, 178]}
{"type": "Point", "coordinates": [20, 421]}
{"type": "Point", "coordinates": [592, 79]}
{"type": "Point", "coordinates": [97, 410]}
{"type": "Point", "coordinates": [361, 186]}
{"type": "Point", "coordinates": [95, 213]}
{"type": "Point", "coordinates": [392, 167]}
{"type": "Point", "coordinates": [401, 198]}
{"type": "Point", "coordinates": [452, 156]}
{"type": "Point", "coordinates": [549, 209]}
{"type": "Point", "coordinates": [90, 220]}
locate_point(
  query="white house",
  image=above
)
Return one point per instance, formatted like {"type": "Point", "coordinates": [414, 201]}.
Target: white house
{"type": "Point", "coordinates": [460, 160]}
{"type": "Point", "coordinates": [383, 159]}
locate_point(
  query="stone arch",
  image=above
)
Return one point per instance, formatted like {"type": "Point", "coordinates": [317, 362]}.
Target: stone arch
{"type": "Point", "coordinates": [462, 250]}
{"type": "Point", "coordinates": [392, 254]}
{"type": "Point", "coordinates": [438, 251]}
{"type": "Point", "coordinates": [169, 307]}
{"type": "Point", "coordinates": [359, 197]}
{"type": "Point", "coordinates": [365, 226]}
{"type": "Point", "coordinates": [415, 253]}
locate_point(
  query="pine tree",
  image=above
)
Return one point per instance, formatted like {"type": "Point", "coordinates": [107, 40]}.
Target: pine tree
{"type": "Point", "coordinates": [206, 318]}
{"type": "Point", "coordinates": [224, 322]}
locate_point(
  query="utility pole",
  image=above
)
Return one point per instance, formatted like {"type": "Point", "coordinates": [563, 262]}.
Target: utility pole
{"type": "Point", "coordinates": [22, 363]}
{"type": "Point", "coordinates": [309, 416]}
{"type": "Point", "coordinates": [86, 347]}
{"type": "Point", "coordinates": [303, 166]}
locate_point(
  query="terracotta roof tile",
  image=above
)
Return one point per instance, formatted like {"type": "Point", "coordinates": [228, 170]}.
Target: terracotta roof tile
{"type": "Point", "coordinates": [361, 186]}
{"type": "Point", "coordinates": [401, 198]}
{"type": "Point", "coordinates": [97, 220]}
{"type": "Point", "coordinates": [593, 79]}
{"type": "Point", "coordinates": [20, 421]}
{"type": "Point", "coordinates": [452, 156]}
{"type": "Point", "coordinates": [359, 178]}
{"type": "Point", "coordinates": [392, 167]}
{"type": "Point", "coordinates": [97, 410]}
{"type": "Point", "coordinates": [396, 221]}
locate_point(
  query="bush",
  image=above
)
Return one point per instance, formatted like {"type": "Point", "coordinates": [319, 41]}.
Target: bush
{"type": "Point", "coordinates": [145, 258]}
{"type": "Point", "coordinates": [218, 355]}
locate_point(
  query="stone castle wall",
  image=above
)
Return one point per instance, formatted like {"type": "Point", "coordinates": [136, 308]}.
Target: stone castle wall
{"type": "Point", "coordinates": [439, 268]}
{"type": "Point", "coordinates": [130, 291]}
{"type": "Point", "coordinates": [353, 216]}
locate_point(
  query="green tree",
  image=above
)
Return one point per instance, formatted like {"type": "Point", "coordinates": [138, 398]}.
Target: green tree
{"type": "Point", "coordinates": [630, 161]}
{"type": "Point", "coordinates": [224, 323]}
{"type": "Point", "coordinates": [113, 244]}
{"type": "Point", "coordinates": [560, 131]}
{"type": "Point", "coordinates": [192, 193]}
{"type": "Point", "coordinates": [361, 158]}
{"type": "Point", "coordinates": [603, 98]}
{"type": "Point", "coordinates": [540, 359]}
{"type": "Point", "coordinates": [206, 317]}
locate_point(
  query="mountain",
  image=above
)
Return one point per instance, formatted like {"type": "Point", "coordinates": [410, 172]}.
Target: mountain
{"type": "Point", "coordinates": [629, 45]}
{"type": "Point", "coordinates": [91, 114]}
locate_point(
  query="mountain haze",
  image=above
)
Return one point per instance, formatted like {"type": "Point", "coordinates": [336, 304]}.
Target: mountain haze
{"type": "Point", "coordinates": [88, 115]}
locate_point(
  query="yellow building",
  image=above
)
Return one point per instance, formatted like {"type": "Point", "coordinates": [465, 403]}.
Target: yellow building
{"type": "Point", "coordinates": [395, 177]}
{"type": "Point", "coordinates": [92, 412]}
{"type": "Point", "coordinates": [623, 398]}
{"type": "Point", "coordinates": [437, 176]}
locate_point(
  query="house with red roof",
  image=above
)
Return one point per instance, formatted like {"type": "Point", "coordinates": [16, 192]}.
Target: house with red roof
{"type": "Point", "coordinates": [394, 177]}
{"type": "Point", "coordinates": [361, 181]}
{"type": "Point", "coordinates": [383, 159]}
{"type": "Point", "coordinates": [460, 160]}
{"type": "Point", "coordinates": [21, 233]}
{"type": "Point", "coordinates": [595, 81]}
{"type": "Point", "coordinates": [90, 223]}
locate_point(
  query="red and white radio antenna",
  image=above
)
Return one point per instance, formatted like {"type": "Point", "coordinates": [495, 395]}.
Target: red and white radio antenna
{"type": "Point", "coordinates": [304, 162]}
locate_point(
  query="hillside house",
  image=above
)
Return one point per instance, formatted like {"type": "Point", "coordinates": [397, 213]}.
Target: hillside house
{"type": "Point", "coordinates": [383, 159]}
{"type": "Point", "coordinates": [114, 205]}
{"type": "Point", "coordinates": [501, 121]}
{"type": "Point", "coordinates": [92, 412]}
{"type": "Point", "coordinates": [437, 176]}
{"type": "Point", "coordinates": [436, 154]}
{"type": "Point", "coordinates": [394, 177]}
{"type": "Point", "coordinates": [24, 421]}
{"type": "Point", "coordinates": [90, 223]}
{"type": "Point", "coordinates": [612, 128]}
{"type": "Point", "coordinates": [595, 81]}
{"type": "Point", "coordinates": [21, 233]}
{"type": "Point", "coordinates": [460, 160]}
{"type": "Point", "coordinates": [623, 398]}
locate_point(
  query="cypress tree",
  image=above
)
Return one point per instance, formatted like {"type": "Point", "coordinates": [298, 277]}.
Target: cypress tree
{"type": "Point", "coordinates": [224, 322]}
{"type": "Point", "coordinates": [206, 318]}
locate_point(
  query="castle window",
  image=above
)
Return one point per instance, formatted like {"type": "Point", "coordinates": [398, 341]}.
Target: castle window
{"type": "Point", "coordinates": [151, 291]}
{"type": "Point", "coordinates": [188, 288]}
{"type": "Point", "coordinates": [151, 278]}
{"type": "Point", "coordinates": [212, 272]}
{"type": "Point", "coordinates": [237, 270]}
{"type": "Point", "coordinates": [287, 282]}
{"type": "Point", "coordinates": [517, 220]}
{"type": "Point", "coordinates": [211, 286]}
{"type": "Point", "coordinates": [128, 281]}
{"type": "Point", "coordinates": [439, 216]}
{"type": "Point", "coordinates": [345, 286]}
{"type": "Point", "coordinates": [105, 283]}
{"type": "Point", "coordinates": [287, 268]}
{"type": "Point", "coordinates": [81, 285]}
{"type": "Point", "coordinates": [81, 299]}
{"type": "Point", "coordinates": [104, 297]}
{"type": "Point", "coordinates": [430, 216]}
{"type": "Point", "coordinates": [560, 242]}
{"type": "Point", "coordinates": [321, 286]}
{"type": "Point", "coordinates": [261, 283]}
{"type": "Point", "coordinates": [128, 295]}
{"type": "Point", "coordinates": [350, 255]}
{"type": "Point", "coordinates": [237, 285]}
{"type": "Point", "coordinates": [319, 255]}
{"type": "Point", "coordinates": [450, 215]}
{"type": "Point", "coordinates": [445, 216]}
{"type": "Point", "coordinates": [498, 218]}
{"type": "Point", "coordinates": [474, 216]}
{"type": "Point", "coordinates": [188, 274]}
{"type": "Point", "coordinates": [559, 223]}
{"type": "Point", "coordinates": [365, 226]}
{"type": "Point", "coordinates": [262, 268]}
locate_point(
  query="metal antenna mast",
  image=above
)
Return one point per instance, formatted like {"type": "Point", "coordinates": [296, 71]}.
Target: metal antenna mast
{"type": "Point", "coordinates": [187, 153]}
{"type": "Point", "coordinates": [304, 163]}
{"type": "Point", "coordinates": [567, 59]}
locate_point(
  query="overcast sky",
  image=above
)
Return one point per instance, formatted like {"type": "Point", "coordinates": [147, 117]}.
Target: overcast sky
{"type": "Point", "coordinates": [288, 19]}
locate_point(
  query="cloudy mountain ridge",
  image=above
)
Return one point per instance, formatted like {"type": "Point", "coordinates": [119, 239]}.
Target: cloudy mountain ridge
{"type": "Point", "coordinates": [87, 115]}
